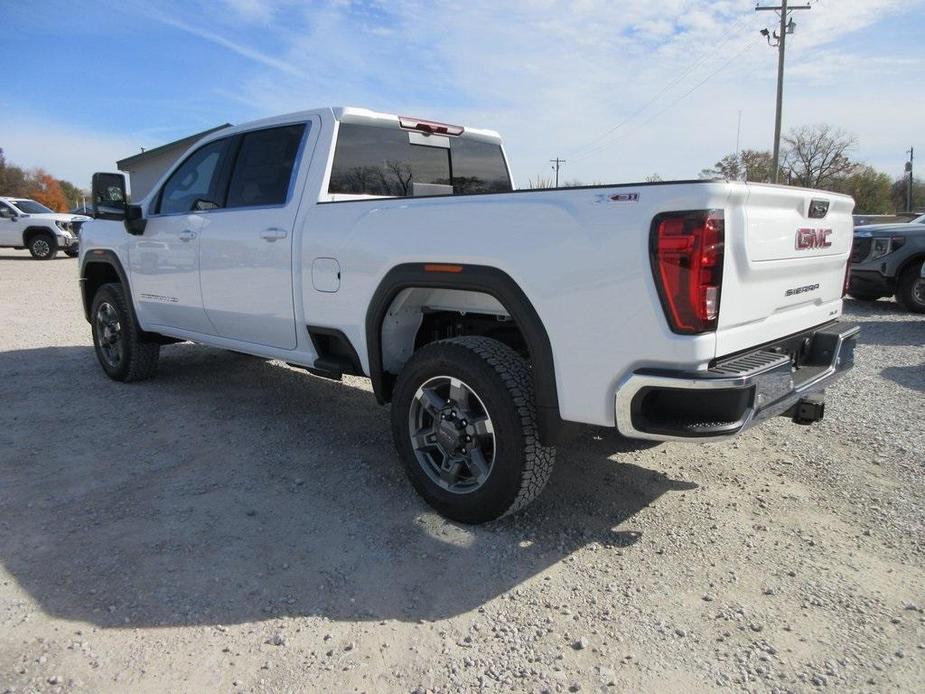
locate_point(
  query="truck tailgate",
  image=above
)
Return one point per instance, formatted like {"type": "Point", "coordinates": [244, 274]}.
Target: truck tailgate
{"type": "Point", "coordinates": [785, 263]}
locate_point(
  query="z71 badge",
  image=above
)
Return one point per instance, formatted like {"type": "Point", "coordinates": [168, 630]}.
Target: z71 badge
{"type": "Point", "coordinates": [617, 197]}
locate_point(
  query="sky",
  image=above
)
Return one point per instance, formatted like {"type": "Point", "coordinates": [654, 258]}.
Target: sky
{"type": "Point", "coordinates": [620, 89]}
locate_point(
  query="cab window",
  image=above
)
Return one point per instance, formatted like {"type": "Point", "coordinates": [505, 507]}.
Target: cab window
{"type": "Point", "coordinates": [263, 166]}
{"type": "Point", "coordinates": [197, 184]}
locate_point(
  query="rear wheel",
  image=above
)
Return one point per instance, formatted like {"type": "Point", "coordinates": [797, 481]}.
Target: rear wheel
{"type": "Point", "coordinates": [43, 246]}
{"type": "Point", "coordinates": [910, 290]}
{"type": "Point", "coordinates": [464, 423]}
{"type": "Point", "coordinates": [120, 349]}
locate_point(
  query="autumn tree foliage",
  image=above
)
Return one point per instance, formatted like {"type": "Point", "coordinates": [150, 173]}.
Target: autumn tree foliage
{"type": "Point", "coordinates": [44, 188]}
{"type": "Point", "coordinates": [38, 185]}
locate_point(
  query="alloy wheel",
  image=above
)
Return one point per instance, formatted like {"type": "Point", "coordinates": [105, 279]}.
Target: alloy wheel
{"type": "Point", "coordinates": [452, 434]}
{"type": "Point", "coordinates": [109, 334]}
{"type": "Point", "coordinates": [41, 248]}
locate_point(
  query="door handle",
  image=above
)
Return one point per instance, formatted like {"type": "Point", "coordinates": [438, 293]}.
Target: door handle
{"type": "Point", "coordinates": [273, 234]}
{"type": "Point", "coordinates": [187, 235]}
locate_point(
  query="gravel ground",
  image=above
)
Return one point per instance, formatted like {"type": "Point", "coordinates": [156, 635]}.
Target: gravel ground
{"type": "Point", "coordinates": [240, 526]}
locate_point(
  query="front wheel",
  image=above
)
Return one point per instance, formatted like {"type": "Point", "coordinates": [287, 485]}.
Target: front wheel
{"type": "Point", "coordinates": [43, 246]}
{"type": "Point", "coordinates": [120, 348]}
{"type": "Point", "coordinates": [464, 423]}
{"type": "Point", "coordinates": [910, 289]}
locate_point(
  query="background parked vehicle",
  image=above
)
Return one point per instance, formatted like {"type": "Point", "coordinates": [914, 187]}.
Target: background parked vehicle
{"type": "Point", "coordinates": [887, 260]}
{"type": "Point", "coordinates": [863, 220]}
{"type": "Point", "coordinates": [28, 224]}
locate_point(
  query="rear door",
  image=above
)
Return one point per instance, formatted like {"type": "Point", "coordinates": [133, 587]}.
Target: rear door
{"type": "Point", "coordinates": [786, 256]}
{"type": "Point", "coordinates": [246, 249]}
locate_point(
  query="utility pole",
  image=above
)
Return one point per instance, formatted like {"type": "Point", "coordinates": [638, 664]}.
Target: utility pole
{"type": "Point", "coordinates": [556, 164]}
{"type": "Point", "coordinates": [911, 179]}
{"type": "Point", "coordinates": [787, 26]}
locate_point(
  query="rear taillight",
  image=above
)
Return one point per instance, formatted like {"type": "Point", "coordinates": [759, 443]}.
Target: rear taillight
{"type": "Point", "coordinates": [687, 261]}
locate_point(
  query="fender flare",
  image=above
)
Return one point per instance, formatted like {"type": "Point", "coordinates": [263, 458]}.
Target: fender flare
{"type": "Point", "coordinates": [478, 278]}
{"type": "Point", "coordinates": [35, 229]}
{"type": "Point", "coordinates": [99, 256]}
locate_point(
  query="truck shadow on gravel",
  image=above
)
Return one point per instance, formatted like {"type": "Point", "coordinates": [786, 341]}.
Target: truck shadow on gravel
{"type": "Point", "coordinates": [230, 490]}
{"type": "Point", "coordinates": [912, 377]}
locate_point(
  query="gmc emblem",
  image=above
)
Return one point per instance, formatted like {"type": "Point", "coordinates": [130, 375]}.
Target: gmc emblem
{"type": "Point", "coordinates": [813, 238]}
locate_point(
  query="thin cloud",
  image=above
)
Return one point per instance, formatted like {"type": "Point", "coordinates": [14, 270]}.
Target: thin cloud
{"type": "Point", "coordinates": [232, 45]}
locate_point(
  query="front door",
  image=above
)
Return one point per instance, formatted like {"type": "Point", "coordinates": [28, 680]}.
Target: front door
{"type": "Point", "coordinates": [10, 231]}
{"type": "Point", "coordinates": [247, 246]}
{"type": "Point", "coordinates": [164, 260]}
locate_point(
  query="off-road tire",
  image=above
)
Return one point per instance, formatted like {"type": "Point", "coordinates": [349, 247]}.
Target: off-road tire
{"type": "Point", "coordinates": [43, 246]}
{"type": "Point", "coordinates": [139, 356]}
{"type": "Point", "coordinates": [910, 289]}
{"type": "Point", "coordinates": [502, 381]}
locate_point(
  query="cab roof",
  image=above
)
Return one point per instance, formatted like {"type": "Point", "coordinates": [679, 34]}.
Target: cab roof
{"type": "Point", "coordinates": [353, 114]}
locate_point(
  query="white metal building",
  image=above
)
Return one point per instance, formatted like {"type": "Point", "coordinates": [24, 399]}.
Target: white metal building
{"type": "Point", "coordinates": [146, 167]}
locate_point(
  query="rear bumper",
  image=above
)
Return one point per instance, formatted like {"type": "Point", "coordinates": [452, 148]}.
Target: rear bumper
{"type": "Point", "coordinates": [777, 379]}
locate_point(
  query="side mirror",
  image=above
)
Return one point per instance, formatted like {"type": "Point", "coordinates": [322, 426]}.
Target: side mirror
{"type": "Point", "coordinates": [135, 221]}
{"type": "Point", "coordinates": [109, 198]}
{"type": "Point", "coordinates": [7, 213]}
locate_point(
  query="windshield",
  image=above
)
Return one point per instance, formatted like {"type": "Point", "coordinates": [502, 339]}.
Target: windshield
{"type": "Point", "coordinates": [918, 220]}
{"type": "Point", "coordinates": [31, 207]}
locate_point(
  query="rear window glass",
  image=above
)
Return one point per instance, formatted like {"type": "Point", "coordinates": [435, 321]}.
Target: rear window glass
{"type": "Point", "coordinates": [370, 160]}
{"type": "Point", "coordinates": [263, 167]}
{"type": "Point", "coordinates": [478, 167]}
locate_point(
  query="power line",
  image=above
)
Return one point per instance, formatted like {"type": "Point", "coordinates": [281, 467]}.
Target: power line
{"type": "Point", "coordinates": [697, 86]}
{"type": "Point", "coordinates": [709, 53]}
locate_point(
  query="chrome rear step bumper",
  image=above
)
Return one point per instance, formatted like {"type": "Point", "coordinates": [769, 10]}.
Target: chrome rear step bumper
{"type": "Point", "coordinates": [782, 378]}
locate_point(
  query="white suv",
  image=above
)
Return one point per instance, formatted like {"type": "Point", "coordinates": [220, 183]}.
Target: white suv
{"type": "Point", "coordinates": [27, 224]}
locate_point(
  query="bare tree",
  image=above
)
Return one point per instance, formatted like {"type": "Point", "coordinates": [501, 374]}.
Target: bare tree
{"type": "Point", "coordinates": [403, 174]}
{"type": "Point", "coordinates": [747, 165]}
{"type": "Point", "coordinates": [817, 155]}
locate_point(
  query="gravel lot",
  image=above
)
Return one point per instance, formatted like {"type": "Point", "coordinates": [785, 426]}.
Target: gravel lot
{"type": "Point", "coordinates": [238, 526]}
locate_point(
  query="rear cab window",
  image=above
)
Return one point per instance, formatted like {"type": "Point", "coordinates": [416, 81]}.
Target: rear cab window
{"type": "Point", "coordinates": [372, 160]}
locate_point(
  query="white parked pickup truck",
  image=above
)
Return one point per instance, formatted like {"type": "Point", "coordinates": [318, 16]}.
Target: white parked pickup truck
{"type": "Point", "coordinates": [346, 241]}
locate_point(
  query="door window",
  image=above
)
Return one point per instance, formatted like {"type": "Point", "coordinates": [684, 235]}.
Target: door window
{"type": "Point", "coordinates": [197, 183]}
{"type": "Point", "coordinates": [264, 165]}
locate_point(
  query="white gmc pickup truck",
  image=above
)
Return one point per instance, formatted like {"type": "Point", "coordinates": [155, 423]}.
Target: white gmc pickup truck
{"type": "Point", "coordinates": [345, 241]}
